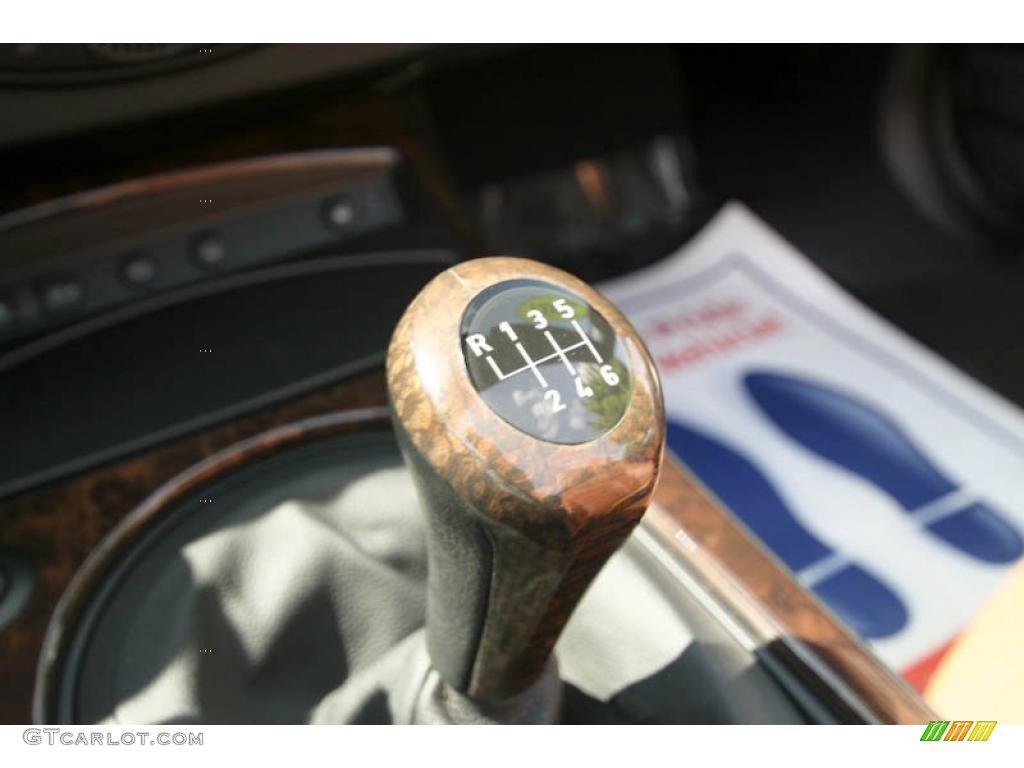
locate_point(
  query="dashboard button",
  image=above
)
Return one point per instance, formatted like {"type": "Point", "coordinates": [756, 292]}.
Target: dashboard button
{"type": "Point", "coordinates": [340, 213]}
{"type": "Point", "coordinates": [209, 251]}
{"type": "Point", "coordinates": [139, 270]}
{"type": "Point", "coordinates": [61, 295]}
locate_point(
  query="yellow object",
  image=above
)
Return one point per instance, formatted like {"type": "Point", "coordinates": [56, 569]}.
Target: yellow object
{"type": "Point", "coordinates": [983, 674]}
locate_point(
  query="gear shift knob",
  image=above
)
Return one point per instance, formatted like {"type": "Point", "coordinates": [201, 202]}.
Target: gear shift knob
{"type": "Point", "coordinates": [531, 417]}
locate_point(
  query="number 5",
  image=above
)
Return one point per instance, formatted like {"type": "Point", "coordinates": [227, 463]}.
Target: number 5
{"type": "Point", "coordinates": [563, 309]}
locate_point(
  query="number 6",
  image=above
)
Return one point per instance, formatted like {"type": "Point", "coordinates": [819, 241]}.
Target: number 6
{"type": "Point", "coordinates": [611, 378]}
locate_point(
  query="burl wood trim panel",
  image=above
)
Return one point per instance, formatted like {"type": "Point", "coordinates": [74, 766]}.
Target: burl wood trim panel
{"type": "Point", "coordinates": [790, 623]}
{"type": "Point", "coordinates": [555, 512]}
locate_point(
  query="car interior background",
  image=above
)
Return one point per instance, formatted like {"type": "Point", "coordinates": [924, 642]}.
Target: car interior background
{"type": "Point", "coordinates": [205, 250]}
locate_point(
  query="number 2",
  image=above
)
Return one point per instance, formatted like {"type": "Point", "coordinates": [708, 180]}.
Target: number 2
{"type": "Point", "coordinates": [556, 400]}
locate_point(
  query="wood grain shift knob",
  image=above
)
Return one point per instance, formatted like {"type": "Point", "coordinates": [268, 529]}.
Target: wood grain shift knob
{"type": "Point", "coordinates": [531, 416]}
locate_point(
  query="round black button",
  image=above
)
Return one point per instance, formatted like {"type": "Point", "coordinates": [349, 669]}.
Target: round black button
{"type": "Point", "coordinates": [61, 295]}
{"type": "Point", "coordinates": [139, 270]}
{"type": "Point", "coordinates": [340, 213]}
{"type": "Point", "coordinates": [209, 251]}
{"type": "Point", "coordinates": [545, 361]}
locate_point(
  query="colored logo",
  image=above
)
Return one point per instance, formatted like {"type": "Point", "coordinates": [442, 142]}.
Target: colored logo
{"type": "Point", "coordinates": [958, 730]}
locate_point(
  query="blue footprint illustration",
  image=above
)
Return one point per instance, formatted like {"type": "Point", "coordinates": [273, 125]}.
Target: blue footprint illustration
{"type": "Point", "coordinates": [865, 441]}
{"type": "Point", "coordinates": [865, 603]}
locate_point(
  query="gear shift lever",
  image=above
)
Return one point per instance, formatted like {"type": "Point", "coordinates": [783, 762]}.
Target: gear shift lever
{"type": "Point", "coordinates": [531, 418]}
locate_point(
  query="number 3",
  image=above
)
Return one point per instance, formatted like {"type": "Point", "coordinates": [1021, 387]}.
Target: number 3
{"type": "Point", "coordinates": [539, 322]}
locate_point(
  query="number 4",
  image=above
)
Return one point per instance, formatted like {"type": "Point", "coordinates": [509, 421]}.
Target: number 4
{"type": "Point", "coordinates": [582, 389]}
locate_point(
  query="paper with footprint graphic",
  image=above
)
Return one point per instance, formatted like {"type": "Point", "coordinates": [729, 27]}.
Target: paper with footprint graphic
{"type": "Point", "coordinates": [889, 482]}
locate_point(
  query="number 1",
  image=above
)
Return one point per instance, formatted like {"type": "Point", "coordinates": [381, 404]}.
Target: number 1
{"type": "Point", "coordinates": [505, 328]}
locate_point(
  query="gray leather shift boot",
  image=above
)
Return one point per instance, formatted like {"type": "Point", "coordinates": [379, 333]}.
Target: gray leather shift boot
{"type": "Point", "coordinates": [293, 591]}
